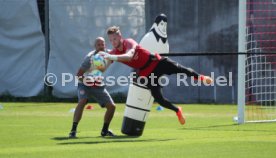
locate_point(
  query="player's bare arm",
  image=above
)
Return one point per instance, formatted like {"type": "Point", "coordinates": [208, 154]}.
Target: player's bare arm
{"type": "Point", "coordinates": [127, 56]}
{"type": "Point", "coordinates": [121, 58]}
{"type": "Point", "coordinates": [80, 74]}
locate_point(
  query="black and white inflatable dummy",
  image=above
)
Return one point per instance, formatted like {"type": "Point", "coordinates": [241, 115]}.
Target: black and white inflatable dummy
{"type": "Point", "coordinates": [156, 40]}
{"type": "Point", "coordinates": [139, 99]}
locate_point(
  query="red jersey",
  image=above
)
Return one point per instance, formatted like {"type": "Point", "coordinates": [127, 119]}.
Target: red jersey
{"type": "Point", "coordinates": [140, 58]}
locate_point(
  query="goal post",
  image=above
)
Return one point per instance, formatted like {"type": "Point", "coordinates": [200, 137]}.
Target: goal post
{"type": "Point", "coordinates": [241, 61]}
{"type": "Point", "coordinates": [257, 69]}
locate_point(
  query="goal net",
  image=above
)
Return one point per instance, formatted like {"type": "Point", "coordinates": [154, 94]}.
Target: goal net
{"type": "Point", "coordinates": [257, 69]}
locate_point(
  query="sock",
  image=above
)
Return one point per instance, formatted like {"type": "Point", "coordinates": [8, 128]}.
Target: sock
{"type": "Point", "coordinates": [105, 127]}
{"type": "Point", "coordinates": [74, 126]}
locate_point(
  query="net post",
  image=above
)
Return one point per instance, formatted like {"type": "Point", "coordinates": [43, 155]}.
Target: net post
{"type": "Point", "coordinates": [241, 61]}
{"type": "Point", "coordinates": [47, 89]}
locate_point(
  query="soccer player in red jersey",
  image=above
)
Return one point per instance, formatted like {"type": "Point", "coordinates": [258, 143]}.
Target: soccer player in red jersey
{"type": "Point", "coordinates": [145, 63]}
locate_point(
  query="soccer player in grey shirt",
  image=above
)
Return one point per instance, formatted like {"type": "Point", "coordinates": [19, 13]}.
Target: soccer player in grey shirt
{"type": "Point", "coordinates": [96, 91]}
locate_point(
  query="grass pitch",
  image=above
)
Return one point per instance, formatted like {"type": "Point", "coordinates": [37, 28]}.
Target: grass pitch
{"type": "Point", "coordinates": [41, 130]}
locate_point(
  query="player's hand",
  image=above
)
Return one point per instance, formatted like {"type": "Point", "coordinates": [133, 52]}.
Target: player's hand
{"type": "Point", "coordinates": [208, 80]}
{"type": "Point", "coordinates": [108, 56]}
{"type": "Point", "coordinates": [104, 54]}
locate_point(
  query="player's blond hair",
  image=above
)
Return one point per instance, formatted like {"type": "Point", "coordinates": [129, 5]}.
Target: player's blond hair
{"type": "Point", "coordinates": [113, 30]}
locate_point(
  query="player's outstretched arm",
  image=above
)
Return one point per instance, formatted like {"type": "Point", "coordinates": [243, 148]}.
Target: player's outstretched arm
{"type": "Point", "coordinates": [121, 58]}
{"type": "Point", "coordinates": [127, 56]}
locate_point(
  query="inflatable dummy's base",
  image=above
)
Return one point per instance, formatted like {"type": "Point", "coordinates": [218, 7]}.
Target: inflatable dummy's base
{"type": "Point", "coordinates": [132, 127]}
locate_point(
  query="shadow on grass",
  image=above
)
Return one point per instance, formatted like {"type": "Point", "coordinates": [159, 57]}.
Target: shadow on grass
{"type": "Point", "coordinates": [120, 139]}
{"type": "Point", "coordinates": [221, 128]}
{"type": "Point", "coordinates": [67, 138]}
{"type": "Point", "coordinates": [117, 137]}
{"type": "Point", "coordinates": [211, 126]}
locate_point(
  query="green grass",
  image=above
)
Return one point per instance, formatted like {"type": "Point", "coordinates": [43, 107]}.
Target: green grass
{"type": "Point", "coordinates": [41, 130]}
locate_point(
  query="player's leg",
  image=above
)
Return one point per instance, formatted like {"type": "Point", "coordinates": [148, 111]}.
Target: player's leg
{"type": "Point", "coordinates": [104, 99]}
{"type": "Point", "coordinates": [168, 67]}
{"type": "Point", "coordinates": [77, 117]}
{"type": "Point", "coordinates": [156, 92]}
{"type": "Point", "coordinates": [79, 110]}
{"type": "Point", "coordinates": [110, 109]}
{"type": "Point", "coordinates": [82, 97]}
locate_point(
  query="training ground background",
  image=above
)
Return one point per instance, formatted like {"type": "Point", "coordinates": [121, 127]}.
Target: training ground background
{"type": "Point", "coordinates": [41, 130]}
